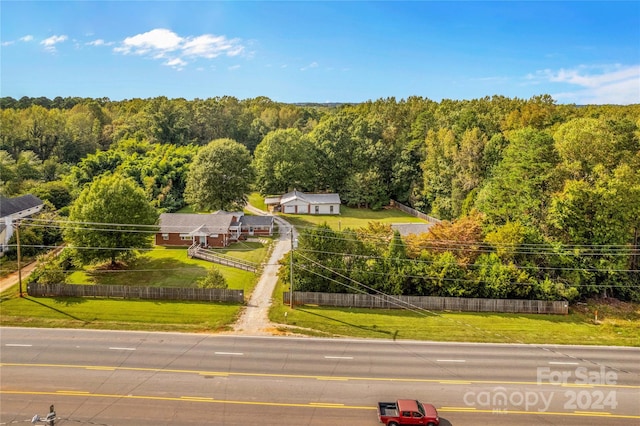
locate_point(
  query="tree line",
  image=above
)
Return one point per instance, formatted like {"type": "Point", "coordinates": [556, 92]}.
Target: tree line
{"type": "Point", "coordinates": [551, 191]}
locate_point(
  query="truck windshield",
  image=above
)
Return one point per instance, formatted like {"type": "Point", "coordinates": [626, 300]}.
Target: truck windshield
{"type": "Point", "coordinates": [421, 408]}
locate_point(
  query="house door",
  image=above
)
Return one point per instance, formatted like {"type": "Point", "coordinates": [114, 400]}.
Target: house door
{"type": "Point", "coordinates": [203, 240]}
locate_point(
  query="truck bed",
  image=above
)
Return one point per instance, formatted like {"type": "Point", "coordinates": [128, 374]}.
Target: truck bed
{"type": "Point", "coordinates": [388, 409]}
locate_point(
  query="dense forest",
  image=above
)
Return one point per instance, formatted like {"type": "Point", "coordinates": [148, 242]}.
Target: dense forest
{"type": "Point", "coordinates": [537, 199]}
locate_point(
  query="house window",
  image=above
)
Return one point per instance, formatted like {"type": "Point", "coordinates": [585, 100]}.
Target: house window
{"type": "Point", "coordinates": [185, 237]}
{"type": "Point", "coordinates": [317, 209]}
{"type": "Point", "coordinates": [165, 237]}
{"type": "Point", "coordinates": [330, 209]}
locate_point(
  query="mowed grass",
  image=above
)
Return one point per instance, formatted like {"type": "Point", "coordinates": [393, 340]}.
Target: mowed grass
{"type": "Point", "coordinates": [614, 327]}
{"type": "Point", "coordinates": [351, 218]}
{"type": "Point", "coordinates": [576, 328]}
{"type": "Point", "coordinates": [112, 314]}
{"type": "Point", "coordinates": [171, 267]}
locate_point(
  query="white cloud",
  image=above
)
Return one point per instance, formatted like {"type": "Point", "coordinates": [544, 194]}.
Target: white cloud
{"type": "Point", "coordinates": [26, 38]}
{"type": "Point", "coordinates": [176, 63]}
{"type": "Point", "coordinates": [162, 43]}
{"type": "Point", "coordinates": [155, 40]}
{"type": "Point", "coordinates": [50, 43]}
{"type": "Point", "coordinates": [311, 65]}
{"type": "Point", "coordinates": [234, 67]}
{"type": "Point", "coordinates": [208, 46]}
{"type": "Point", "coordinates": [99, 42]}
{"type": "Point", "coordinates": [604, 84]}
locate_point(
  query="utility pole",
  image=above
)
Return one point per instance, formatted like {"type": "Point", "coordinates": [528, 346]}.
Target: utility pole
{"type": "Point", "coordinates": [291, 271]}
{"type": "Point", "coordinates": [19, 265]}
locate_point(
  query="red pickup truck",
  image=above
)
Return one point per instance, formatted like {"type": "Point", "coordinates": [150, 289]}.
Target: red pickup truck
{"type": "Point", "coordinates": [407, 412]}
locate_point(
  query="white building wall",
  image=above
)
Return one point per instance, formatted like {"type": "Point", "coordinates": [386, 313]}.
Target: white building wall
{"type": "Point", "coordinates": [326, 209]}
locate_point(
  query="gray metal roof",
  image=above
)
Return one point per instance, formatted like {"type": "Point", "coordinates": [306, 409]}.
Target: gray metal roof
{"type": "Point", "coordinates": [256, 220]}
{"type": "Point", "coordinates": [310, 198]}
{"type": "Point", "coordinates": [9, 206]}
{"type": "Point", "coordinates": [272, 200]}
{"type": "Point", "coordinates": [185, 223]}
{"type": "Point", "coordinates": [411, 228]}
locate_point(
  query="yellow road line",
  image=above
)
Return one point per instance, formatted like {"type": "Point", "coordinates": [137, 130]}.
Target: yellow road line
{"type": "Point", "coordinates": [323, 405]}
{"type": "Point", "coordinates": [303, 376]}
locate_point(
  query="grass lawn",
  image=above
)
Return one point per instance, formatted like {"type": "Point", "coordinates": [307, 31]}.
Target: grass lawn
{"type": "Point", "coordinates": [171, 267]}
{"type": "Point", "coordinates": [149, 315]}
{"type": "Point", "coordinates": [257, 201]}
{"type": "Point", "coordinates": [351, 218]}
{"type": "Point", "coordinates": [617, 328]}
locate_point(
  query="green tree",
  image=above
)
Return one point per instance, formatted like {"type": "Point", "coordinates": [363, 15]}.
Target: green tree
{"type": "Point", "coordinates": [168, 120]}
{"type": "Point", "coordinates": [599, 220]}
{"type": "Point", "coordinates": [220, 176]}
{"type": "Point", "coordinates": [365, 189]}
{"type": "Point", "coordinates": [8, 182]}
{"type": "Point", "coordinates": [522, 183]}
{"type": "Point", "coordinates": [583, 143]}
{"type": "Point", "coordinates": [337, 151]}
{"type": "Point", "coordinates": [28, 166]}
{"type": "Point", "coordinates": [213, 279]}
{"type": "Point", "coordinates": [283, 161]}
{"type": "Point", "coordinates": [438, 172]}
{"type": "Point", "coordinates": [111, 218]}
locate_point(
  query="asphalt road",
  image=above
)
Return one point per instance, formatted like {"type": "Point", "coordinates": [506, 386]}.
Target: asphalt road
{"type": "Point", "coordinates": [137, 378]}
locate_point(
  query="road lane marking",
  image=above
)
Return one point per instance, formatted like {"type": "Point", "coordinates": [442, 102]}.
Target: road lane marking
{"type": "Point", "coordinates": [338, 357]}
{"type": "Point", "coordinates": [562, 363]}
{"type": "Point", "coordinates": [122, 349]}
{"type": "Point", "coordinates": [577, 385]}
{"type": "Point", "coordinates": [308, 376]}
{"type": "Point", "coordinates": [229, 353]}
{"type": "Point", "coordinates": [451, 360]}
{"type": "Point", "coordinates": [18, 345]}
{"type": "Point", "coordinates": [325, 405]}
{"type": "Point", "coordinates": [454, 382]}
{"type": "Point", "coordinates": [203, 399]}
{"type": "Point", "coordinates": [594, 413]}
{"type": "Point", "coordinates": [457, 408]}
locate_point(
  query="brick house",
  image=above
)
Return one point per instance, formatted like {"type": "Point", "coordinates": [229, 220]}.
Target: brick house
{"type": "Point", "coordinates": [210, 230]}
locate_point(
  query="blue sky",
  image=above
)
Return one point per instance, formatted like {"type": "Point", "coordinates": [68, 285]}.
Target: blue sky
{"type": "Point", "coordinates": [322, 51]}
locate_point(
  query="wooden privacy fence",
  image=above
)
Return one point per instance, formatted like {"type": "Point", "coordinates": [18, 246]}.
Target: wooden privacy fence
{"type": "Point", "coordinates": [361, 300]}
{"type": "Point", "coordinates": [132, 292]}
{"type": "Point", "coordinates": [414, 212]}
